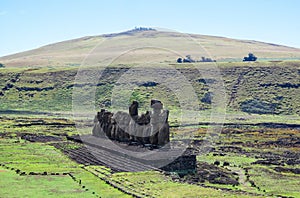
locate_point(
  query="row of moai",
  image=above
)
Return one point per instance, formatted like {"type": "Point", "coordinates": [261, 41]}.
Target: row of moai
{"type": "Point", "coordinates": [150, 128]}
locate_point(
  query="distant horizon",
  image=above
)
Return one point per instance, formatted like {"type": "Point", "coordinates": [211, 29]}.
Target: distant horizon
{"type": "Point", "coordinates": [27, 25]}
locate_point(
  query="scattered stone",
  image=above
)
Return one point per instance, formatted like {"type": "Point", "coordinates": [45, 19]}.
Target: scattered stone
{"type": "Point", "coordinates": [22, 173]}
{"type": "Point", "coordinates": [211, 173]}
{"type": "Point", "coordinates": [40, 138]}
{"type": "Point", "coordinates": [217, 163]}
{"type": "Point", "coordinates": [291, 170]}
{"type": "Point", "coordinates": [268, 162]}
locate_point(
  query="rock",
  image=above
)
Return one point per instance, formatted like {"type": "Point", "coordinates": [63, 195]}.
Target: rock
{"type": "Point", "coordinates": [217, 163]}
{"type": "Point", "coordinates": [268, 162]}
{"type": "Point", "coordinates": [291, 170]}
{"type": "Point", "coordinates": [212, 174]}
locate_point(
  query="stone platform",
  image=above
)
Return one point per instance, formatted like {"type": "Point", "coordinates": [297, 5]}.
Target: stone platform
{"type": "Point", "coordinates": [171, 157]}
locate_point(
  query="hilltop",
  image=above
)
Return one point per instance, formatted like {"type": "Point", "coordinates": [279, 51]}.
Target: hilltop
{"type": "Point", "coordinates": [171, 44]}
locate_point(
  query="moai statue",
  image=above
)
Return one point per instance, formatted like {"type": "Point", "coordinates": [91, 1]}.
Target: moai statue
{"type": "Point", "coordinates": [133, 110]}
{"type": "Point", "coordinates": [146, 128]}
{"type": "Point", "coordinates": [149, 128]}
{"type": "Point", "coordinates": [114, 128]}
{"type": "Point", "coordinates": [132, 129]}
{"type": "Point", "coordinates": [141, 123]}
{"type": "Point", "coordinates": [97, 129]}
{"type": "Point", "coordinates": [133, 126]}
{"type": "Point", "coordinates": [107, 123]}
{"type": "Point", "coordinates": [146, 134]}
{"type": "Point", "coordinates": [122, 120]}
{"type": "Point", "coordinates": [155, 121]}
{"type": "Point", "coordinates": [164, 131]}
{"type": "Point", "coordinates": [101, 118]}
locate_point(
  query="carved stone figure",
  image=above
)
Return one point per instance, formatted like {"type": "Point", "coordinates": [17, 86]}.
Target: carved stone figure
{"type": "Point", "coordinates": [149, 128]}
{"type": "Point", "coordinates": [133, 109]}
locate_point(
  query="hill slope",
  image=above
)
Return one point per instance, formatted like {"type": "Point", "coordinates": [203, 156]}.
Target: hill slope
{"type": "Point", "coordinates": [250, 88]}
{"type": "Point", "coordinates": [172, 44]}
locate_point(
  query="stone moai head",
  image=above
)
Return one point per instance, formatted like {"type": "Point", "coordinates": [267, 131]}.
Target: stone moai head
{"type": "Point", "coordinates": [133, 109]}
{"type": "Point", "coordinates": [156, 105]}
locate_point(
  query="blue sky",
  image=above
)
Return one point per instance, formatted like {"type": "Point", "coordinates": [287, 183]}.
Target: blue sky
{"type": "Point", "coordinates": [28, 24]}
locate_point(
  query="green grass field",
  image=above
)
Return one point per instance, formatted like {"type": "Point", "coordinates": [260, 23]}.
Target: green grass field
{"type": "Point", "coordinates": [39, 169]}
{"type": "Point", "coordinates": [38, 101]}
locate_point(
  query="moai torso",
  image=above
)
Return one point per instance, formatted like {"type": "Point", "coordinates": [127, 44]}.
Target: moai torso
{"type": "Point", "coordinates": [155, 121]}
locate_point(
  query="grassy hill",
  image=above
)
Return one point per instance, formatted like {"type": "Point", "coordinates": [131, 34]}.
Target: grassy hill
{"type": "Point", "coordinates": [254, 88]}
{"type": "Point", "coordinates": [171, 44]}
{"type": "Point", "coordinates": [43, 79]}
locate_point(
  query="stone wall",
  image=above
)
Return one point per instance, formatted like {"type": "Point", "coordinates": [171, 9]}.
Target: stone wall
{"type": "Point", "coordinates": [149, 128]}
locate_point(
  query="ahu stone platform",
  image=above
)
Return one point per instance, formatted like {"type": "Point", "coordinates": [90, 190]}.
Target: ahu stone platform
{"type": "Point", "coordinates": [138, 158]}
{"type": "Point", "coordinates": [141, 138]}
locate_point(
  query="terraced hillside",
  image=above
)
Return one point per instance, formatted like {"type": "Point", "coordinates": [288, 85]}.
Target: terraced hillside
{"type": "Point", "coordinates": [255, 88]}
